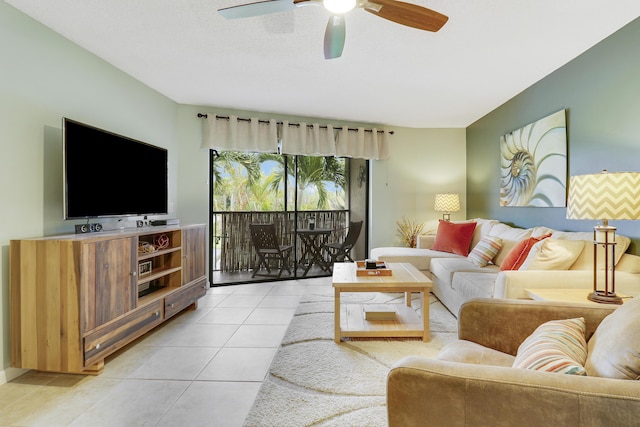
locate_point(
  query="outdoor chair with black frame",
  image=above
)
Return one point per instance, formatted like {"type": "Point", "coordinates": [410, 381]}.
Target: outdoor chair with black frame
{"type": "Point", "coordinates": [268, 248]}
{"type": "Point", "coordinates": [340, 251]}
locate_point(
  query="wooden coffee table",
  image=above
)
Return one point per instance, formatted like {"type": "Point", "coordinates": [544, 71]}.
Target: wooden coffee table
{"type": "Point", "coordinates": [349, 318]}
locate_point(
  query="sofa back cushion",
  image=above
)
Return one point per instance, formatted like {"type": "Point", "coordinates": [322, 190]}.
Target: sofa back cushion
{"type": "Point", "coordinates": [453, 237]}
{"type": "Point", "coordinates": [483, 228]}
{"type": "Point", "coordinates": [585, 260]}
{"type": "Point", "coordinates": [510, 237]}
{"type": "Point", "coordinates": [615, 345]}
{"type": "Point", "coordinates": [553, 254]}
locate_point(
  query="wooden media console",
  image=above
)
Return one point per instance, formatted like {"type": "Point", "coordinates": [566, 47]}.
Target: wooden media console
{"type": "Point", "coordinates": [75, 299]}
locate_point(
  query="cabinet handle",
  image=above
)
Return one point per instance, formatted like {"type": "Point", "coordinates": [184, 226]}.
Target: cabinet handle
{"type": "Point", "coordinates": [157, 313]}
{"type": "Point", "coordinates": [171, 305]}
{"type": "Point", "coordinates": [134, 274]}
{"type": "Point", "coordinates": [98, 346]}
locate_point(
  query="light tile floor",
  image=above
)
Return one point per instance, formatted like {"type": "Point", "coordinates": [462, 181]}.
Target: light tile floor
{"type": "Point", "coordinates": [203, 367]}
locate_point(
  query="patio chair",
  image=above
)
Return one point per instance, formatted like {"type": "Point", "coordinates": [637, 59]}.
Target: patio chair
{"type": "Point", "coordinates": [340, 251]}
{"type": "Point", "coordinates": [268, 248]}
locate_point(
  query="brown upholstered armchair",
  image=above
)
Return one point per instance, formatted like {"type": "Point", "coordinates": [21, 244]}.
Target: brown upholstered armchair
{"type": "Point", "coordinates": [472, 383]}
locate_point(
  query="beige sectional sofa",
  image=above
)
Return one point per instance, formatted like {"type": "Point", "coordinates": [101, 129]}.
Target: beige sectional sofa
{"type": "Point", "coordinates": [473, 381]}
{"type": "Point", "coordinates": [456, 279]}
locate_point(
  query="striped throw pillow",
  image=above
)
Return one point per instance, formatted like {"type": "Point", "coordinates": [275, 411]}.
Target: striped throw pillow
{"type": "Point", "coordinates": [555, 346]}
{"type": "Point", "coordinates": [486, 249]}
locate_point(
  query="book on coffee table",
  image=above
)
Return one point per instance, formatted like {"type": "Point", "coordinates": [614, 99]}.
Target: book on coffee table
{"type": "Point", "coordinates": [381, 269]}
{"type": "Point", "coordinates": [379, 312]}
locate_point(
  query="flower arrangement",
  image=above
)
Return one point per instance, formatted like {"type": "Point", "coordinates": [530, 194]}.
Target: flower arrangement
{"type": "Point", "coordinates": [409, 231]}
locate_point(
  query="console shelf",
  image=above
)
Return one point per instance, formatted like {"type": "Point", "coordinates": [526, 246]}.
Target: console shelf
{"type": "Point", "coordinates": [142, 257]}
{"type": "Point", "coordinates": [75, 299]}
{"type": "Point", "coordinates": [159, 274]}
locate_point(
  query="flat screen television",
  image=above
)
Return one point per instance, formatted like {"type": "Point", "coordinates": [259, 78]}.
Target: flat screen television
{"type": "Point", "coordinates": [109, 175]}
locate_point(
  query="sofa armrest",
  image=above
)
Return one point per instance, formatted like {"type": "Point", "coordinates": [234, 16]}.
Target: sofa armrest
{"type": "Point", "coordinates": [425, 241]}
{"type": "Point", "coordinates": [504, 324]}
{"type": "Point", "coordinates": [424, 391]}
{"type": "Point", "coordinates": [512, 283]}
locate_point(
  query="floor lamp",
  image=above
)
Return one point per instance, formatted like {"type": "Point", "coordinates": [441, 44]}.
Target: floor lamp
{"type": "Point", "coordinates": [447, 202]}
{"type": "Point", "coordinates": [604, 196]}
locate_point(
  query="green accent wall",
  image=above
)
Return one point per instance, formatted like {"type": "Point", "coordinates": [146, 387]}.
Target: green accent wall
{"type": "Point", "coordinates": [600, 91]}
{"type": "Point", "coordinates": [44, 77]}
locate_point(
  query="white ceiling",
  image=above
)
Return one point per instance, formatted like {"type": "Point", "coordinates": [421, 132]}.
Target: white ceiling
{"type": "Point", "coordinates": [489, 51]}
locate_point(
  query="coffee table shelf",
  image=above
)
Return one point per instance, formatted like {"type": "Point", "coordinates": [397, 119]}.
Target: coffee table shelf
{"type": "Point", "coordinates": [349, 319]}
{"type": "Point", "coordinates": [406, 324]}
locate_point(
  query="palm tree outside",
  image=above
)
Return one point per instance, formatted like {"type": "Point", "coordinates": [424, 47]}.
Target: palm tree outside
{"type": "Point", "coordinates": [256, 182]}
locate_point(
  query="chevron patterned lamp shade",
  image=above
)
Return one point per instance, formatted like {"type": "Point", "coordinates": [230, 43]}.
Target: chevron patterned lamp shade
{"type": "Point", "coordinates": [447, 202]}
{"type": "Point", "coordinates": [604, 196]}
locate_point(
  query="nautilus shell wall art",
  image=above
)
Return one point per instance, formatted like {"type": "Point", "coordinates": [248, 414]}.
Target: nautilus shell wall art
{"type": "Point", "coordinates": [533, 164]}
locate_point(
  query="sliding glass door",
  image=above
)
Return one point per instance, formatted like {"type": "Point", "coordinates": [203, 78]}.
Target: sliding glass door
{"type": "Point", "coordinates": [306, 198]}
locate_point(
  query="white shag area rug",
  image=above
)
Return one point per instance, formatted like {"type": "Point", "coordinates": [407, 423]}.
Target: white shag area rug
{"type": "Point", "coordinates": [314, 381]}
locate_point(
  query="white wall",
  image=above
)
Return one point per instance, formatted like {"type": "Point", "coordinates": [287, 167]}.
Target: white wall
{"type": "Point", "coordinates": [423, 162]}
{"type": "Point", "coordinates": [44, 77]}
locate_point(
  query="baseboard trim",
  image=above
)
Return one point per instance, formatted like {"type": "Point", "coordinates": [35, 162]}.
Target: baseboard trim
{"type": "Point", "coordinates": [9, 374]}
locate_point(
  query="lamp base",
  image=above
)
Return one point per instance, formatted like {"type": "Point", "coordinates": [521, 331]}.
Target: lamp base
{"type": "Point", "coordinates": [604, 298]}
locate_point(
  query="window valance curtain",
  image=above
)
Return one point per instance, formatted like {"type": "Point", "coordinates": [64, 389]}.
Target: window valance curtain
{"type": "Point", "coordinates": [361, 143]}
{"type": "Point", "coordinates": [266, 136]}
{"type": "Point", "coordinates": [310, 140]}
{"type": "Point", "coordinates": [236, 134]}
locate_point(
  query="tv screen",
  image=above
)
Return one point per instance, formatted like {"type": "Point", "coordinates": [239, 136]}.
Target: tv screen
{"type": "Point", "coordinates": [109, 175]}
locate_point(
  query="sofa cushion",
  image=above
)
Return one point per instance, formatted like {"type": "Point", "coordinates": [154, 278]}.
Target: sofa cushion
{"type": "Point", "coordinates": [518, 254]}
{"type": "Point", "coordinates": [615, 345]}
{"type": "Point", "coordinates": [486, 249]}
{"type": "Point", "coordinates": [474, 285]}
{"type": "Point", "coordinates": [454, 237]}
{"type": "Point", "coordinates": [462, 351]}
{"type": "Point", "coordinates": [555, 346]}
{"type": "Point", "coordinates": [553, 254]}
{"type": "Point", "coordinates": [445, 268]}
{"type": "Point", "coordinates": [585, 260]}
{"type": "Point", "coordinates": [483, 228]}
{"type": "Point", "coordinates": [419, 258]}
{"type": "Point", "coordinates": [510, 237]}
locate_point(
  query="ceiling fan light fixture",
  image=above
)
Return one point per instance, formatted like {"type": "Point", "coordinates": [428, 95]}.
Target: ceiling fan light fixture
{"type": "Point", "coordinates": [339, 6]}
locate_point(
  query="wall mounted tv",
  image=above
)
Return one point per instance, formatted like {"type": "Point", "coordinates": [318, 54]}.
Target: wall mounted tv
{"type": "Point", "coordinates": [109, 175]}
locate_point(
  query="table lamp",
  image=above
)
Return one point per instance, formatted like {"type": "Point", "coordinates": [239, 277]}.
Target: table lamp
{"type": "Point", "coordinates": [447, 203]}
{"type": "Point", "coordinates": [604, 196]}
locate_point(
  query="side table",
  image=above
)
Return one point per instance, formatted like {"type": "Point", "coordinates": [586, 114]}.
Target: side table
{"type": "Point", "coordinates": [564, 295]}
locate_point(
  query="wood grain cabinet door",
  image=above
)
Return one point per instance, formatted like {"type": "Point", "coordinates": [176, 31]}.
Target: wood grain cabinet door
{"type": "Point", "coordinates": [194, 253]}
{"type": "Point", "coordinates": [115, 279]}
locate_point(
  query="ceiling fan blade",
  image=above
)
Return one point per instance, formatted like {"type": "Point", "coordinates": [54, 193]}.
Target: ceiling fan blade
{"type": "Point", "coordinates": [256, 9]}
{"type": "Point", "coordinates": [299, 3]}
{"type": "Point", "coordinates": [334, 37]}
{"type": "Point", "coordinates": [408, 14]}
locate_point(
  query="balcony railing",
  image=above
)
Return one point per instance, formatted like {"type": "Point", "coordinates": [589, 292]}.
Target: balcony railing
{"type": "Point", "coordinates": [233, 251]}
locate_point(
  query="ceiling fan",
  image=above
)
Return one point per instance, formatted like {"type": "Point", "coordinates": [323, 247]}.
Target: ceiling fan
{"type": "Point", "coordinates": [399, 12]}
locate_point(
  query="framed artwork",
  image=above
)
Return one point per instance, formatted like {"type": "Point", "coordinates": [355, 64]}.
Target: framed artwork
{"type": "Point", "coordinates": [533, 164]}
{"type": "Point", "coordinates": [144, 268]}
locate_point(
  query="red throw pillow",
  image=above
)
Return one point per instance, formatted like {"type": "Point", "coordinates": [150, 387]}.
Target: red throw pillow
{"type": "Point", "coordinates": [454, 237]}
{"type": "Point", "coordinates": [516, 256]}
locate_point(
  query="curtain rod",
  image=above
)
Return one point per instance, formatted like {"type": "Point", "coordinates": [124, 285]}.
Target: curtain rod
{"type": "Point", "coordinates": [204, 116]}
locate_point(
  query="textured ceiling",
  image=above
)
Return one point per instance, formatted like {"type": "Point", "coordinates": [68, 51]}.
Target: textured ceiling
{"type": "Point", "coordinates": [489, 51]}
